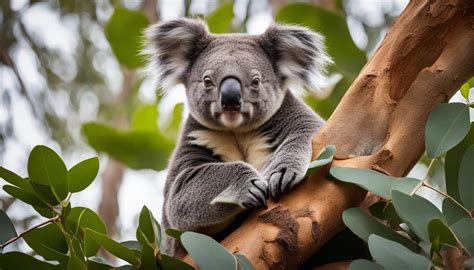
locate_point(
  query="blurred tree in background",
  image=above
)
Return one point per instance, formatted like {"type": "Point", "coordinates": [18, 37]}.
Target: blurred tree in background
{"type": "Point", "coordinates": [71, 76]}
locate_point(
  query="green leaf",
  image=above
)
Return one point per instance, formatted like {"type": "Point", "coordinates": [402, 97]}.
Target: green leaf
{"type": "Point", "coordinates": [124, 32]}
{"type": "Point", "coordinates": [364, 225]}
{"type": "Point", "coordinates": [348, 58]}
{"type": "Point", "coordinates": [219, 21]}
{"type": "Point", "coordinates": [416, 212]}
{"type": "Point", "coordinates": [384, 210]}
{"type": "Point", "coordinates": [244, 263]}
{"type": "Point", "coordinates": [47, 242]}
{"type": "Point", "coordinates": [132, 244]}
{"type": "Point", "coordinates": [464, 231]}
{"type": "Point", "coordinates": [447, 125]}
{"type": "Point", "coordinates": [373, 181]}
{"type": "Point", "coordinates": [453, 212]}
{"type": "Point", "coordinates": [453, 161]}
{"type": "Point", "coordinates": [466, 178]}
{"type": "Point", "coordinates": [171, 263]}
{"type": "Point", "coordinates": [325, 157]}
{"type": "Point", "coordinates": [14, 179]}
{"type": "Point", "coordinates": [97, 263]}
{"type": "Point", "coordinates": [111, 246]}
{"type": "Point", "coordinates": [137, 148]}
{"type": "Point", "coordinates": [47, 168]}
{"type": "Point", "coordinates": [149, 226]}
{"type": "Point", "coordinates": [440, 233]}
{"type": "Point", "coordinates": [81, 218]}
{"type": "Point", "coordinates": [7, 230]}
{"type": "Point", "coordinates": [147, 255]}
{"type": "Point", "coordinates": [76, 264]}
{"type": "Point", "coordinates": [362, 264]}
{"type": "Point", "coordinates": [82, 174]}
{"type": "Point", "coordinates": [45, 212]}
{"type": "Point", "coordinates": [145, 118]}
{"type": "Point", "coordinates": [17, 260]}
{"type": "Point", "coordinates": [207, 252]}
{"type": "Point", "coordinates": [392, 255]}
{"type": "Point", "coordinates": [44, 192]}
{"type": "Point", "coordinates": [176, 234]}
{"type": "Point", "coordinates": [465, 90]}
{"type": "Point", "coordinates": [24, 196]}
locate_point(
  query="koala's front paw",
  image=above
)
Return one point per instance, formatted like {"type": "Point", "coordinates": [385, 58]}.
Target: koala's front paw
{"type": "Point", "coordinates": [252, 193]}
{"type": "Point", "coordinates": [281, 180]}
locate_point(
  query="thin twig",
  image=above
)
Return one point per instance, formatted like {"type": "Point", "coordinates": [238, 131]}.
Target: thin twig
{"type": "Point", "coordinates": [449, 197]}
{"type": "Point", "coordinates": [51, 220]}
{"type": "Point", "coordinates": [433, 161]}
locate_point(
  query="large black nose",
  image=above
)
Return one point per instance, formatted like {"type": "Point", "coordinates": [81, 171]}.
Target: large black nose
{"type": "Point", "coordinates": [231, 94]}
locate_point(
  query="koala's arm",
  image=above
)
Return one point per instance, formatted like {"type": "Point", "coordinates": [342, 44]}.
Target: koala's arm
{"type": "Point", "coordinates": [292, 128]}
{"type": "Point", "coordinates": [197, 178]}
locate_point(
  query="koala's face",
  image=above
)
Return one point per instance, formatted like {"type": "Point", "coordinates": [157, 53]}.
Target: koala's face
{"type": "Point", "coordinates": [235, 81]}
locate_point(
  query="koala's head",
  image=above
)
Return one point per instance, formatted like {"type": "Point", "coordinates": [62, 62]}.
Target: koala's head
{"type": "Point", "coordinates": [234, 81]}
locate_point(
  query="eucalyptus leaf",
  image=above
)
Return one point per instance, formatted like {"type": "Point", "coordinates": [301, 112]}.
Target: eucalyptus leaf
{"type": "Point", "coordinates": [220, 20]}
{"type": "Point", "coordinates": [384, 210]}
{"type": "Point", "coordinates": [465, 90]}
{"type": "Point", "coordinates": [453, 162]}
{"type": "Point", "coordinates": [111, 246]}
{"type": "Point", "coordinates": [149, 226]}
{"type": "Point", "coordinates": [453, 212]}
{"type": "Point", "coordinates": [373, 181]}
{"type": "Point", "coordinates": [81, 218]}
{"type": "Point", "coordinates": [7, 230]}
{"type": "Point", "coordinates": [176, 234]}
{"type": "Point", "coordinates": [362, 264]}
{"type": "Point", "coordinates": [464, 231]}
{"type": "Point", "coordinates": [440, 233]}
{"type": "Point", "coordinates": [17, 260]}
{"type": "Point", "coordinates": [14, 179]}
{"type": "Point", "coordinates": [392, 255]}
{"type": "Point", "coordinates": [83, 174]}
{"type": "Point", "coordinates": [244, 263]}
{"type": "Point", "coordinates": [47, 241]}
{"type": "Point", "coordinates": [145, 118]}
{"type": "Point", "coordinates": [416, 212]}
{"type": "Point", "coordinates": [325, 157]}
{"type": "Point", "coordinates": [466, 178]}
{"type": "Point", "coordinates": [76, 264]}
{"type": "Point", "coordinates": [364, 225]}
{"type": "Point", "coordinates": [45, 167]}
{"type": "Point", "coordinates": [447, 125]}
{"type": "Point", "coordinates": [207, 252]}
{"type": "Point", "coordinates": [171, 263]}
{"type": "Point", "coordinates": [124, 31]}
{"type": "Point", "coordinates": [24, 196]}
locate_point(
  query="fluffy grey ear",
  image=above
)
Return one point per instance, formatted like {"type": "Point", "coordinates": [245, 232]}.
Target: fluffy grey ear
{"type": "Point", "coordinates": [299, 54]}
{"type": "Point", "coordinates": [172, 47]}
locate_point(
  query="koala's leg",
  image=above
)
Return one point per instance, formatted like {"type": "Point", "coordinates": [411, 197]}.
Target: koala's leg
{"type": "Point", "coordinates": [198, 196]}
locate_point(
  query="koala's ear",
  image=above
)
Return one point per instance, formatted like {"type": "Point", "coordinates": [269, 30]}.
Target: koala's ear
{"type": "Point", "coordinates": [299, 54]}
{"type": "Point", "coordinates": [173, 46]}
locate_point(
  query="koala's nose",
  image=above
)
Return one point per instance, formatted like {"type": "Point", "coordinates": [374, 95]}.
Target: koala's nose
{"type": "Point", "coordinates": [231, 94]}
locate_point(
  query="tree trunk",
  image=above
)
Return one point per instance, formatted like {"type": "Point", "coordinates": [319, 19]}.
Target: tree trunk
{"type": "Point", "coordinates": [379, 124]}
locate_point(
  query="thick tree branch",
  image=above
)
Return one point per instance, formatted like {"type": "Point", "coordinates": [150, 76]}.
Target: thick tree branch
{"type": "Point", "coordinates": [379, 124]}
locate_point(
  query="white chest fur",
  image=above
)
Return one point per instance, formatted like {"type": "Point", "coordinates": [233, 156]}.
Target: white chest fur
{"type": "Point", "coordinates": [249, 147]}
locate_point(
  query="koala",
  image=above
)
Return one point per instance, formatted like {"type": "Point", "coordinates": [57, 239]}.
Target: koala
{"type": "Point", "coordinates": [247, 137]}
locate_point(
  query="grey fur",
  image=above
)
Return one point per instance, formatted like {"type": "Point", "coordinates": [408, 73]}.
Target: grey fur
{"type": "Point", "coordinates": [220, 168]}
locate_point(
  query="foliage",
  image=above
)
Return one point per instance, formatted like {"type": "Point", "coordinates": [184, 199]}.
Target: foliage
{"type": "Point", "coordinates": [404, 224]}
{"type": "Point", "coordinates": [70, 237]}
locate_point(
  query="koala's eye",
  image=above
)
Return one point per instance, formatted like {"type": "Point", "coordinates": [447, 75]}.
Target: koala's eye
{"type": "Point", "coordinates": [208, 82]}
{"type": "Point", "coordinates": [255, 82]}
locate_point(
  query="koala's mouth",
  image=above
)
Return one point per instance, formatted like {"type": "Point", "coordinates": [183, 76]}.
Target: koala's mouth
{"type": "Point", "coordinates": [232, 118]}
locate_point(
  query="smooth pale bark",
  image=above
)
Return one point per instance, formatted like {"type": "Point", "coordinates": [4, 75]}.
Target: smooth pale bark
{"type": "Point", "coordinates": [379, 124]}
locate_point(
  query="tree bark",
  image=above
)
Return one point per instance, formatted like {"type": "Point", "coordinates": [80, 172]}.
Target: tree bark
{"type": "Point", "coordinates": [379, 124]}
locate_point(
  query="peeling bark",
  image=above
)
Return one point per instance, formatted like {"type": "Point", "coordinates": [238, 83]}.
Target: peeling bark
{"type": "Point", "coordinates": [379, 124]}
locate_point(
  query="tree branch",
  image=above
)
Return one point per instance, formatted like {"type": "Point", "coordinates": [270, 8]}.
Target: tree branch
{"type": "Point", "coordinates": [379, 124]}
{"type": "Point", "coordinates": [51, 220]}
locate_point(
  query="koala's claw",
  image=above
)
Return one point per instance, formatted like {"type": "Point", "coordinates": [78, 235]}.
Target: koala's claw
{"type": "Point", "coordinates": [280, 182]}
{"type": "Point", "coordinates": [258, 194]}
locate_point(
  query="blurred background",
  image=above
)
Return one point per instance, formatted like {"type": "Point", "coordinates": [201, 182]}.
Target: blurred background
{"type": "Point", "coordinates": [72, 78]}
